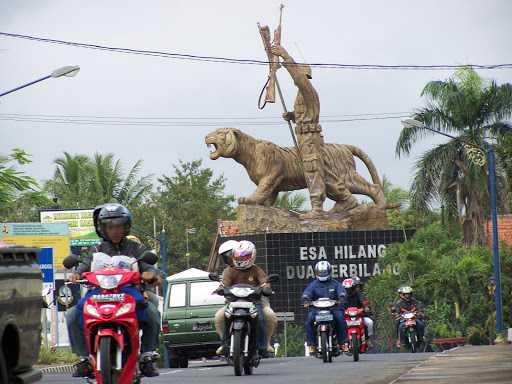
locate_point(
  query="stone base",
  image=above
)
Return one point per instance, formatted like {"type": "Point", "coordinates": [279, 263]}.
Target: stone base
{"type": "Point", "coordinates": [257, 218]}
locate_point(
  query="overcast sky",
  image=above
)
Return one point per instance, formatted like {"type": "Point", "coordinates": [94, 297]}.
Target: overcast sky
{"type": "Point", "coordinates": [352, 32]}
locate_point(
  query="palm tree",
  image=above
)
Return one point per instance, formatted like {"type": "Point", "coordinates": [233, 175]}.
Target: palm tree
{"type": "Point", "coordinates": [470, 108]}
{"type": "Point", "coordinates": [83, 182]}
{"type": "Point", "coordinates": [290, 201]}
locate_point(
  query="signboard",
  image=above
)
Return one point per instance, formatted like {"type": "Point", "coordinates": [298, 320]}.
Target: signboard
{"type": "Point", "coordinates": [66, 296]}
{"type": "Point", "coordinates": [79, 221]}
{"type": "Point", "coordinates": [55, 236]}
{"type": "Point", "coordinates": [293, 256]}
{"type": "Point", "coordinates": [285, 316]}
{"type": "Point", "coordinates": [45, 261]}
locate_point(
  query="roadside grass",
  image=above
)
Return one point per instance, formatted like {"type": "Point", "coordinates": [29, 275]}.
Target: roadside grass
{"type": "Point", "coordinates": [56, 356]}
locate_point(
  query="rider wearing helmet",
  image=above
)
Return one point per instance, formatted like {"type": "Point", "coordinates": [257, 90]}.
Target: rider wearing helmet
{"type": "Point", "coordinates": [407, 303]}
{"type": "Point", "coordinates": [243, 271]}
{"type": "Point", "coordinates": [226, 251]}
{"type": "Point", "coordinates": [356, 298]}
{"type": "Point", "coordinates": [113, 223]}
{"type": "Point", "coordinates": [325, 287]}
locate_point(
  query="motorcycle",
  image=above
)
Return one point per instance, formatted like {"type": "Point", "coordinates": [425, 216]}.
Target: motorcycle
{"type": "Point", "coordinates": [327, 346]}
{"type": "Point", "coordinates": [411, 333]}
{"type": "Point", "coordinates": [110, 318]}
{"type": "Point", "coordinates": [241, 316]}
{"type": "Point", "coordinates": [356, 332]}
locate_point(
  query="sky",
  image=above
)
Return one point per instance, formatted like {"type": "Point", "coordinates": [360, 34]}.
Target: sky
{"type": "Point", "coordinates": [115, 84]}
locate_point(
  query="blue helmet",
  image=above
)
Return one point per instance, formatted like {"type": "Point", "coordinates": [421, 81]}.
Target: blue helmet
{"type": "Point", "coordinates": [323, 270]}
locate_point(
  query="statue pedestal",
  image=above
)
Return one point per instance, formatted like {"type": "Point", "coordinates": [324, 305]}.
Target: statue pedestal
{"type": "Point", "coordinates": [258, 219]}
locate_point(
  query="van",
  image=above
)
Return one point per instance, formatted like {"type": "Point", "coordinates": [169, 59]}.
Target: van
{"type": "Point", "coordinates": [188, 324]}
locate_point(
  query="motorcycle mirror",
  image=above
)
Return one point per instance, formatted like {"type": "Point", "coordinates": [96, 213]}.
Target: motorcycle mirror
{"type": "Point", "coordinates": [273, 278]}
{"type": "Point", "coordinates": [149, 257]}
{"type": "Point", "coordinates": [70, 261]}
{"type": "Point", "coordinates": [213, 277]}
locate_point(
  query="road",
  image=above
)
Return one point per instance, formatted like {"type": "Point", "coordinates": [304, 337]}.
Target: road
{"type": "Point", "coordinates": [371, 369]}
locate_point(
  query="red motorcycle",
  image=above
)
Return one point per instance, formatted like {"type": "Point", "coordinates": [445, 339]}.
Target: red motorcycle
{"type": "Point", "coordinates": [110, 322]}
{"type": "Point", "coordinates": [356, 331]}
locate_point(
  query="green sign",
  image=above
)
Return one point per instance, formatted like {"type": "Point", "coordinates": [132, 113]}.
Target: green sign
{"type": "Point", "coordinates": [79, 221]}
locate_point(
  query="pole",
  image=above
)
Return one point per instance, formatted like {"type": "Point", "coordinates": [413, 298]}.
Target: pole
{"type": "Point", "coordinates": [163, 254]}
{"type": "Point", "coordinates": [285, 340]}
{"type": "Point", "coordinates": [491, 164]}
{"type": "Point", "coordinates": [187, 255]}
{"type": "Point", "coordinates": [25, 85]}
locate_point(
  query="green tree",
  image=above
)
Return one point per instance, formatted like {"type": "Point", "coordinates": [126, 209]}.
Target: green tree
{"type": "Point", "coordinates": [189, 198]}
{"type": "Point", "coordinates": [291, 201]}
{"type": "Point", "coordinates": [504, 152]}
{"type": "Point", "coordinates": [80, 181]}
{"type": "Point", "coordinates": [470, 108]}
{"type": "Point", "coordinates": [13, 181]}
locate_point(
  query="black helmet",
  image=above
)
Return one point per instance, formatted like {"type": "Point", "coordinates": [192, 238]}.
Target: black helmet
{"type": "Point", "coordinates": [111, 213]}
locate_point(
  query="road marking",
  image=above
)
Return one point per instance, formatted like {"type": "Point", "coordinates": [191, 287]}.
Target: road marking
{"type": "Point", "coordinates": [167, 373]}
{"type": "Point", "coordinates": [204, 369]}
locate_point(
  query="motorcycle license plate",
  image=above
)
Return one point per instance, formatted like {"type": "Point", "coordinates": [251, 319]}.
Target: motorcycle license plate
{"type": "Point", "coordinates": [108, 298]}
{"type": "Point", "coordinates": [410, 322]}
{"type": "Point", "coordinates": [323, 317]}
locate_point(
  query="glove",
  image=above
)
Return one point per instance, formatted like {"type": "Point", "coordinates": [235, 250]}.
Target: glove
{"type": "Point", "coordinates": [75, 277]}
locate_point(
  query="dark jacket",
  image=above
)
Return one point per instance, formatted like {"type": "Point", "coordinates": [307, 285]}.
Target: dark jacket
{"type": "Point", "coordinates": [331, 288]}
{"type": "Point", "coordinates": [412, 305]}
{"type": "Point", "coordinates": [126, 248]}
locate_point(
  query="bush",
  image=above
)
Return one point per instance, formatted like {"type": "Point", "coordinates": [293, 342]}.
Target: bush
{"type": "Point", "coordinates": [295, 341]}
{"type": "Point", "coordinates": [56, 356]}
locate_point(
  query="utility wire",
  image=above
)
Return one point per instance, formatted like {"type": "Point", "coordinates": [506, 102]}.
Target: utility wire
{"type": "Point", "coordinates": [219, 59]}
{"type": "Point", "coordinates": [176, 123]}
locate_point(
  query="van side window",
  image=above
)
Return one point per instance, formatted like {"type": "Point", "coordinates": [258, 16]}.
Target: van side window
{"type": "Point", "coordinates": [201, 293]}
{"type": "Point", "coordinates": [177, 295]}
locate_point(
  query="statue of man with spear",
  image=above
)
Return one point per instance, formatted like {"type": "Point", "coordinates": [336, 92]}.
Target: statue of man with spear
{"type": "Point", "coordinates": [305, 115]}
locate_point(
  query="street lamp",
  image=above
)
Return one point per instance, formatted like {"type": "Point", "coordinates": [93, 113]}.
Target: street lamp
{"type": "Point", "coordinates": [491, 167]}
{"type": "Point", "coordinates": [67, 71]}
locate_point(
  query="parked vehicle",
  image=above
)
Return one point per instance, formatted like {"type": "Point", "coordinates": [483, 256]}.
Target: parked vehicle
{"type": "Point", "coordinates": [188, 318]}
{"type": "Point", "coordinates": [20, 314]}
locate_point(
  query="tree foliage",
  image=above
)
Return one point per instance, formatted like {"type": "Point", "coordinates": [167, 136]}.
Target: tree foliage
{"type": "Point", "coordinates": [471, 109]}
{"type": "Point", "coordinates": [191, 197]}
{"type": "Point", "coordinates": [12, 180]}
{"type": "Point", "coordinates": [453, 281]}
{"type": "Point", "coordinates": [291, 201]}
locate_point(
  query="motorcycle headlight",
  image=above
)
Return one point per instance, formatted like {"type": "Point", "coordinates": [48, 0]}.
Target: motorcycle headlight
{"type": "Point", "coordinates": [241, 291]}
{"type": "Point", "coordinates": [91, 310]}
{"type": "Point", "coordinates": [109, 281]}
{"type": "Point", "coordinates": [124, 309]}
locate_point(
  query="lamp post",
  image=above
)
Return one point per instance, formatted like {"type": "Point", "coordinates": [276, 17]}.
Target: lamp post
{"type": "Point", "coordinates": [67, 71]}
{"type": "Point", "coordinates": [188, 231]}
{"type": "Point", "coordinates": [491, 168]}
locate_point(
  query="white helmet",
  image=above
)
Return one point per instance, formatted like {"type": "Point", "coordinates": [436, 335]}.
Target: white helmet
{"type": "Point", "coordinates": [226, 250]}
{"type": "Point", "coordinates": [244, 255]}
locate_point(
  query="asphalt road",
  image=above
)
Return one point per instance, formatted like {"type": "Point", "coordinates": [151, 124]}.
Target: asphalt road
{"type": "Point", "coordinates": [371, 369]}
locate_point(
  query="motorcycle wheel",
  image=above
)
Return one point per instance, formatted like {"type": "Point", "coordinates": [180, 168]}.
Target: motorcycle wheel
{"type": "Point", "coordinates": [354, 345]}
{"type": "Point", "coordinates": [238, 358]}
{"type": "Point", "coordinates": [183, 362]}
{"type": "Point", "coordinates": [413, 342]}
{"type": "Point", "coordinates": [4, 374]}
{"type": "Point", "coordinates": [324, 345]}
{"type": "Point", "coordinates": [107, 373]}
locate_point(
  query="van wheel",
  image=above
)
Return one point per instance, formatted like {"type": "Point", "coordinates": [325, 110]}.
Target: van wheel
{"type": "Point", "coordinates": [183, 362]}
{"type": "Point", "coordinates": [4, 375]}
{"type": "Point", "coordinates": [174, 362]}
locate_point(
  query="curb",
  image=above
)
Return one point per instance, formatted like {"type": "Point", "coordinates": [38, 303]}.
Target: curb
{"type": "Point", "coordinates": [57, 369]}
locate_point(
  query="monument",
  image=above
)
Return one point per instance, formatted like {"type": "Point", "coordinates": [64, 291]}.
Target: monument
{"type": "Point", "coordinates": [351, 235]}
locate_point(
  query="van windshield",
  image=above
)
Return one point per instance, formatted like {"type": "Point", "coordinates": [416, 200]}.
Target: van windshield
{"type": "Point", "coordinates": [201, 294]}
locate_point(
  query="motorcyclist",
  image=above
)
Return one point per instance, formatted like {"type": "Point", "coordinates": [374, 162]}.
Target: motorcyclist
{"type": "Point", "coordinates": [242, 270]}
{"type": "Point", "coordinates": [356, 298]}
{"type": "Point", "coordinates": [325, 287]}
{"type": "Point", "coordinates": [112, 223]}
{"type": "Point", "coordinates": [407, 303]}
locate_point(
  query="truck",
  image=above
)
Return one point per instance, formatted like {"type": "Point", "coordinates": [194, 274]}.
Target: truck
{"type": "Point", "coordinates": [20, 314]}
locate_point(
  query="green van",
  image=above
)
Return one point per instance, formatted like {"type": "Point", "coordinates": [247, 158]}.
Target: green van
{"type": "Point", "coordinates": [188, 327]}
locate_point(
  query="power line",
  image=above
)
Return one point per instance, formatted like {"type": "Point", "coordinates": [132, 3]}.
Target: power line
{"type": "Point", "coordinates": [229, 60]}
{"type": "Point", "coordinates": [176, 123]}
